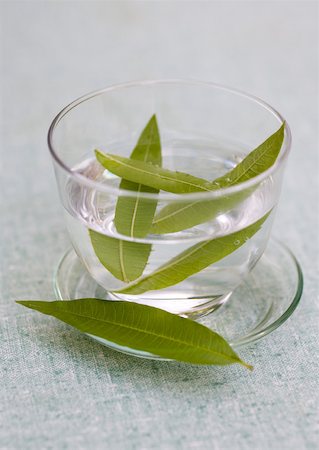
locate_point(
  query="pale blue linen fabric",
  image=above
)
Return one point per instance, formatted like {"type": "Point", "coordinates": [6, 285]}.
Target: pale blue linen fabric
{"type": "Point", "coordinates": [58, 389]}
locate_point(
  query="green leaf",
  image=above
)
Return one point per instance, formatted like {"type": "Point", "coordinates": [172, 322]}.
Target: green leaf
{"type": "Point", "coordinates": [179, 216]}
{"type": "Point", "coordinates": [133, 216]}
{"type": "Point", "coordinates": [256, 162]}
{"type": "Point", "coordinates": [151, 175]}
{"type": "Point", "coordinates": [193, 260]}
{"type": "Point", "coordinates": [125, 260]}
{"type": "Point", "coordinates": [142, 327]}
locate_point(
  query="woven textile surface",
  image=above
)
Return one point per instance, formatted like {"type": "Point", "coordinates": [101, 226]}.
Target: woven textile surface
{"type": "Point", "coordinates": [59, 389]}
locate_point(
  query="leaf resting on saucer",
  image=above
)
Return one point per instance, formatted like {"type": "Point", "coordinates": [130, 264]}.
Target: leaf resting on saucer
{"type": "Point", "coordinates": [143, 328]}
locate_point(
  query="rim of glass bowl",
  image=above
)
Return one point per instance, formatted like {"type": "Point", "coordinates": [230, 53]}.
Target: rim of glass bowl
{"type": "Point", "coordinates": [166, 195]}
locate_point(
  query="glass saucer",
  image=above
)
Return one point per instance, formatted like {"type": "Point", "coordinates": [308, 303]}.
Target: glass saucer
{"type": "Point", "coordinates": [265, 299]}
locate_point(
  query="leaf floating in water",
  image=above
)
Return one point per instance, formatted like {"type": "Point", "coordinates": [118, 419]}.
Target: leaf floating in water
{"type": "Point", "coordinates": [125, 260]}
{"type": "Point", "coordinates": [179, 216]}
{"type": "Point", "coordinates": [151, 175]}
{"type": "Point", "coordinates": [133, 216]}
{"type": "Point", "coordinates": [193, 260]}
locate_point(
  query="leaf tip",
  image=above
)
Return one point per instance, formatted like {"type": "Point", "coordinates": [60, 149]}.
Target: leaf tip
{"type": "Point", "coordinates": [26, 303]}
{"type": "Point", "coordinates": [98, 152]}
{"type": "Point", "coordinates": [152, 123]}
{"type": "Point", "coordinates": [248, 366]}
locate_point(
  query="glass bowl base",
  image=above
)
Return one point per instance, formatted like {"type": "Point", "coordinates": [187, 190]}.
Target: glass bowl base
{"type": "Point", "coordinates": [192, 308]}
{"type": "Point", "coordinates": [264, 300]}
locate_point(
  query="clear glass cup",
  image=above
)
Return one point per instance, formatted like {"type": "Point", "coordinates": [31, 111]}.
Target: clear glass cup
{"type": "Point", "coordinates": [205, 129]}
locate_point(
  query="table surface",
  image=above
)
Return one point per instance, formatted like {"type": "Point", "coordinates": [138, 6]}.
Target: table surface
{"type": "Point", "coordinates": [58, 388]}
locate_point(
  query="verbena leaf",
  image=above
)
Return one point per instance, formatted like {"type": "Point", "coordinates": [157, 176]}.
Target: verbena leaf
{"type": "Point", "coordinates": [125, 260]}
{"type": "Point", "coordinates": [133, 216]}
{"type": "Point", "coordinates": [142, 327]}
{"type": "Point", "coordinates": [193, 260]}
{"type": "Point", "coordinates": [151, 175]}
{"type": "Point", "coordinates": [179, 216]}
{"type": "Point", "coordinates": [256, 162]}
